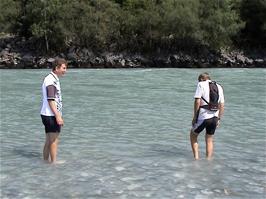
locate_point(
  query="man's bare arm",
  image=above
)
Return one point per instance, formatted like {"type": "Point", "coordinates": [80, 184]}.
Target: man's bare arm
{"type": "Point", "coordinates": [58, 116]}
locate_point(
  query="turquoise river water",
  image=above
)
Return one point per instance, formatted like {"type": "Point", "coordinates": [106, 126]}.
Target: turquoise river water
{"type": "Point", "coordinates": [126, 135]}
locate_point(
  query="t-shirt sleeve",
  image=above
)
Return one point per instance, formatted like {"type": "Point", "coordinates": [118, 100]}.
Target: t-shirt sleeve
{"type": "Point", "coordinates": [198, 93]}
{"type": "Point", "coordinates": [51, 91]}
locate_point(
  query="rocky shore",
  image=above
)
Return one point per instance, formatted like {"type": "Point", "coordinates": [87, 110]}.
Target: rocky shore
{"type": "Point", "coordinates": [18, 53]}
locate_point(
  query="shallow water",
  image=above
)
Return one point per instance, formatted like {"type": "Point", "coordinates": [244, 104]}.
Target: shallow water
{"type": "Point", "coordinates": [126, 136]}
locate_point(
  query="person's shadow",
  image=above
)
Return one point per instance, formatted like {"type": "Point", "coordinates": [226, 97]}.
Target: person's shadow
{"type": "Point", "coordinates": [171, 150]}
{"type": "Point", "coordinates": [27, 153]}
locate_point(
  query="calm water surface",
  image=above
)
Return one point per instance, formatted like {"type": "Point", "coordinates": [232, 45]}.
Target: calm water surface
{"type": "Point", "coordinates": [126, 136]}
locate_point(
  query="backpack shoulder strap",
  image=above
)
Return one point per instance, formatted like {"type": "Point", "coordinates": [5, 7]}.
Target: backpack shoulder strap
{"type": "Point", "coordinates": [204, 100]}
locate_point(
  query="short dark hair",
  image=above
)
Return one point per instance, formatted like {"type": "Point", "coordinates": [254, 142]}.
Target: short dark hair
{"type": "Point", "coordinates": [204, 76]}
{"type": "Point", "coordinates": [58, 62]}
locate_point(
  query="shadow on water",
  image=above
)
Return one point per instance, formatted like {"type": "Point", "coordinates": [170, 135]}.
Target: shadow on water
{"type": "Point", "coordinates": [27, 153]}
{"type": "Point", "coordinates": [158, 149]}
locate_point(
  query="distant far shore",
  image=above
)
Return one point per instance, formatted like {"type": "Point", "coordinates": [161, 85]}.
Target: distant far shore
{"type": "Point", "coordinates": [17, 53]}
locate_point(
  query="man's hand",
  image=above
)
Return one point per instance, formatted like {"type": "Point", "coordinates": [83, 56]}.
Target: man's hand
{"type": "Point", "coordinates": [58, 117]}
{"type": "Point", "coordinates": [218, 123]}
{"type": "Point", "coordinates": [59, 120]}
{"type": "Point", "coordinates": [193, 121]}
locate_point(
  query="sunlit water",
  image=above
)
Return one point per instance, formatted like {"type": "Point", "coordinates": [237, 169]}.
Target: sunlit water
{"type": "Point", "coordinates": [126, 135]}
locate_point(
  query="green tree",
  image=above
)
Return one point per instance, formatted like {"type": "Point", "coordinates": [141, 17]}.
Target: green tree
{"type": "Point", "coordinates": [132, 25]}
{"type": "Point", "coordinates": [43, 20]}
{"type": "Point", "coordinates": [94, 24]}
{"type": "Point", "coordinates": [9, 11]}
{"type": "Point", "coordinates": [180, 23]}
{"type": "Point", "coordinates": [253, 12]}
{"type": "Point", "coordinates": [219, 22]}
{"type": "Point", "coordinates": [141, 29]}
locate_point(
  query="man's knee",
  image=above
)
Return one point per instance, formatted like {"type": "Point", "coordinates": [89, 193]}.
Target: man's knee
{"type": "Point", "coordinates": [53, 137]}
{"type": "Point", "coordinates": [193, 136]}
{"type": "Point", "coordinates": [193, 133]}
{"type": "Point", "coordinates": [209, 137]}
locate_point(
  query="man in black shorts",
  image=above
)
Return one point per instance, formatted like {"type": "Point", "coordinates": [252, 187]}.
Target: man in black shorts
{"type": "Point", "coordinates": [51, 111]}
{"type": "Point", "coordinates": [205, 118]}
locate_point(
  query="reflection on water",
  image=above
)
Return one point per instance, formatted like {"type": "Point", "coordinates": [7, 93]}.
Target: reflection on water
{"type": "Point", "coordinates": [126, 136]}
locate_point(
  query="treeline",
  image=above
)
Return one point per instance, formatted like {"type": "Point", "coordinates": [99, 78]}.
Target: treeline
{"type": "Point", "coordinates": [136, 25]}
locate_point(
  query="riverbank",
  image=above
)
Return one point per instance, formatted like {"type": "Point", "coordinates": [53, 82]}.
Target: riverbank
{"type": "Point", "coordinates": [18, 53]}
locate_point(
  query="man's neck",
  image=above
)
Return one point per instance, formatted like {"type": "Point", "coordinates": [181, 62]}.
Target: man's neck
{"type": "Point", "coordinates": [54, 73]}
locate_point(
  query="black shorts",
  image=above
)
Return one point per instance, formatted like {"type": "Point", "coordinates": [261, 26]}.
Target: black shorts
{"type": "Point", "coordinates": [50, 124]}
{"type": "Point", "coordinates": [209, 124]}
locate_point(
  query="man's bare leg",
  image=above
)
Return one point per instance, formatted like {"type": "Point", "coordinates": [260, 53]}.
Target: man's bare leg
{"type": "Point", "coordinates": [53, 139]}
{"type": "Point", "coordinates": [46, 148]}
{"type": "Point", "coordinates": [194, 144]}
{"type": "Point", "coordinates": [209, 146]}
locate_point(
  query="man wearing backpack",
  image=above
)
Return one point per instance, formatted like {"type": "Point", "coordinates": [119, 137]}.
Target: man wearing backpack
{"type": "Point", "coordinates": [208, 110]}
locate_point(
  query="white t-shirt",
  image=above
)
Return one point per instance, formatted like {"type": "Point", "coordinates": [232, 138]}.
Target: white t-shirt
{"type": "Point", "coordinates": [203, 91]}
{"type": "Point", "coordinates": [51, 90]}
